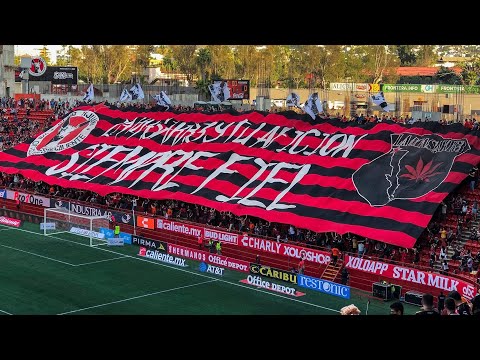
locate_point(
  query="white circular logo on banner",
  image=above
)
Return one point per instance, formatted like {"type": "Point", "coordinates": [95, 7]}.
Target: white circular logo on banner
{"type": "Point", "coordinates": [68, 133]}
{"type": "Point", "coordinates": [38, 66]}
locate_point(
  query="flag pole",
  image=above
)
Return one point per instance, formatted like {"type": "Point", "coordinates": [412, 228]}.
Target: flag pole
{"type": "Point", "coordinates": [134, 220]}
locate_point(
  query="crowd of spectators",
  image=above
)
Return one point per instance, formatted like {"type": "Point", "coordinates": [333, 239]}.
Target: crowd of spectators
{"type": "Point", "coordinates": [15, 132]}
{"type": "Point", "coordinates": [453, 304]}
{"type": "Point", "coordinates": [16, 128]}
{"type": "Point", "coordinates": [17, 124]}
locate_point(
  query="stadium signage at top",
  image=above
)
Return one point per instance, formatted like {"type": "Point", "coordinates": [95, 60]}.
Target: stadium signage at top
{"type": "Point", "coordinates": [438, 89]}
{"type": "Point", "coordinates": [415, 88]}
{"type": "Point", "coordinates": [359, 87]}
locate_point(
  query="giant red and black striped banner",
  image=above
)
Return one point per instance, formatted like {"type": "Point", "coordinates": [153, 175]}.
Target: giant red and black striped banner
{"type": "Point", "coordinates": [382, 181]}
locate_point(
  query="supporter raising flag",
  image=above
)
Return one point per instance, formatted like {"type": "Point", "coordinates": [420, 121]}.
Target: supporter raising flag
{"type": "Point", "coordinates": [379, 100]}
{"type": "Point", "coordinates": [163, 100]}
{"type": "Point", "coordinates": [125, 95]}
{"type": "Point", "coordinates": [137, 92]}
{"type": "Point", "coordinates": [89, 94]}
{"type": "Point", "coordinates": [313, 106]}
{"type": "Point", "coordinates": [219, 91]}
{"type": "Point", "coordinates": [293, 100]}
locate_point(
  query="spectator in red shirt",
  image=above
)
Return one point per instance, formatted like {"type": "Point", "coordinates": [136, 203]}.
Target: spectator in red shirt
{"type": "Point", "coordinates": [335, 253]}
{"type": "Point", "coordinates": [301, 266]}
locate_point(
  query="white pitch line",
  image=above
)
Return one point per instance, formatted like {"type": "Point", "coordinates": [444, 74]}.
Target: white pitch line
{"type": "Point", "coordinates": [7, 229]}
{"type": "Point", "coordinates": [190, 272]}
{"type": "Point", "coordinates": [138, 297]}
{"type": "Point", "coordinates": [5, 312]}
{"type": "Point", "coordinates": [42, 256]}
{"type": "Point", "coordinates": [99, 261]}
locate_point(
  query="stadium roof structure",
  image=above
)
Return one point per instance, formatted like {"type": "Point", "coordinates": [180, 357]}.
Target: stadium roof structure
{"type": "Point", "coordinates": [422, 70]}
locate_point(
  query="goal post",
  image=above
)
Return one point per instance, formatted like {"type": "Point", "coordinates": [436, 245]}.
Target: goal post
{"type": "Point", "coordinates": [62, 221]}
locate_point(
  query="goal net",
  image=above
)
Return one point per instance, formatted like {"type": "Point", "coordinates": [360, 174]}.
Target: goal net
{"type": "Point", "coordinates": [62, 221]}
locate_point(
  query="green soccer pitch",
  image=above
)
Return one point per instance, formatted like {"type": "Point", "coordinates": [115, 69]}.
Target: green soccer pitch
{"type": "Point", "coordinates": [64, 275]}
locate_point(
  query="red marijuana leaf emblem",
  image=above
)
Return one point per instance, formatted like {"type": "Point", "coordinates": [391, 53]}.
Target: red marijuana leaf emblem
{"type": "Point", "coordinates": [421, 173]}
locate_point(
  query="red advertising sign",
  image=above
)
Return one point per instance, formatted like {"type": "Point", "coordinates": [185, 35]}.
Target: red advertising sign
{"type": "Point", "coordinates": [199, 255]}
{"type": "Point", "coordinates": [316, 256]}
{"type": "Point", "coordinates": [10, 222]}
{"type": "Point", "coordinates": [415, 276]}
{"type": "Point", "coordinates": [221, 236]}
{"type": "Point", "coordinates": [144, 222]}
{"type": "Point", "coordinates": [185, 229]}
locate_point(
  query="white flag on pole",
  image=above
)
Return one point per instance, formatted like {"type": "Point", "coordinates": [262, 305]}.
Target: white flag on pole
{"type": "Point", "coordinates": [379, 100]}
{"type": "Point", "coordinates": [313, 106]}
{"type": "Point", "coordinates": [293, 99]}
{"type": "Point", "coordinates": [219, 91]}
{"type": "Point", "coordinates": [89, 94]}
{"type": "Point", "coordinates": [137, 92]}
{"type": "Point", "coordinates": [214, 92]}
{"type": "Point", "coordinates": [125, 95]}
{"type": "Point", "coordinates": [163, 100]}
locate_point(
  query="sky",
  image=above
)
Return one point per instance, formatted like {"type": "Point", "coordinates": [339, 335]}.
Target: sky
{"type": "Point", "coordinates": [35, 49]}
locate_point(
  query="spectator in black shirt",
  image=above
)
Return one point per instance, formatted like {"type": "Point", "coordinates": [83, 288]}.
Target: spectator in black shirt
{"type": "Point", "coordinates": [427, 306]}
{"type": "Point", "coordinates": [345, 276]}
{"type": "Point", "coordinates": [472, 178]}
{"type": "Point", "coordinates": [456, 253]}
{"type": "Point", "coordinates": [396, 308]}
{"type": "Point", "coordinates": [476, 305]}
{"type": "Point", "coordinates": [462, 307]}
{"type": "Point", "coordinates": [441, 302]}
{"type": "Point", "coordinates": [416, 257]}
{"type": "Point", "coordinates": [450, 307]}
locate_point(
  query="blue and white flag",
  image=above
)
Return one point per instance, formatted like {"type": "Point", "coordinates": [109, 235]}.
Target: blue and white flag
{"type": "Point", "coordinates": [293, 100]}
{"type": "Point", "coordinates": [89, 94]}
{"type": "Point", "coordinates": [313, 106]}
{"type": "Point", "coordinates": [125, 95]}
{"type": "Point", "coordinates": [137, 92]}
{"type": "Point", "coordinates": [219, 90]}
{"type": "Point", "coordinates": [379, 100]}
{"type": "Point", "coordinates": [163, 100]}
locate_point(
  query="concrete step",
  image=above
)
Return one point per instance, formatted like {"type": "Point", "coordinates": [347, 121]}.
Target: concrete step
{"type": "Point", "coordinates": [331, 273]}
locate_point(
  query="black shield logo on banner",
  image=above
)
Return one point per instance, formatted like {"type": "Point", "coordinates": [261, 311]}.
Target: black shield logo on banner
{"type": "Point", "coordinates": [413, 167]}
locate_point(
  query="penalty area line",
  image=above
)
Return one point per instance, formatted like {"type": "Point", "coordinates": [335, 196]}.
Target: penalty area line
{"type": "Point", "coordinates": [34, 254]}
{"type": "Point", "coordinates": [99, 261]}
{"type": "Point", "coordinates": [138, 297]}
